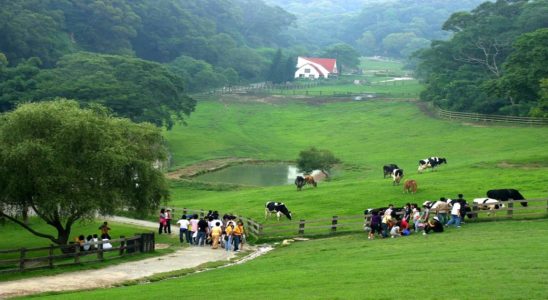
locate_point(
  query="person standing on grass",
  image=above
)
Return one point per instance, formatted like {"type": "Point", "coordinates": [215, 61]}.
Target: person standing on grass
{"type": "Point", "coordinates": [194, 229]}
{"type": "Point", "coordinates": [162, 220]}
{"type": "Point", "coordinates": [105, 229]}
{"type": "Point", "coordinates": [183, 229]}
{"type": "Point", "coordinates": [455, 215]}
{"type": "Point", "coordinates": [386, 224]}
{"type": "Point", "coordinates": [216, 232]}
{"type": "Point", "coordinates": [237, 235]}
{"type": "Point", "coordinates": [167, 227]}
{"type": "Point", "coordinates": [228, 236]}
{"type": "Point", "coordinates": [375, 225]}
{"type": "Point", "coordinates": [203, 228]}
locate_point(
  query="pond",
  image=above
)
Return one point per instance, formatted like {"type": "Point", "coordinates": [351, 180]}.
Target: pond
{"type": "Point", "coordinates": [267, 174]}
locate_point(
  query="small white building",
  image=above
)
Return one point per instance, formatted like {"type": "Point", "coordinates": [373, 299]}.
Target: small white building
{"type": "Point", "coordinates": [314, 67]}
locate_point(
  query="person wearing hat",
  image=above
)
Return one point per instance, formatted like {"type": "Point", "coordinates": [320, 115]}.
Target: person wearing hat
{"type": "Point", "coordinates": [433, 225]}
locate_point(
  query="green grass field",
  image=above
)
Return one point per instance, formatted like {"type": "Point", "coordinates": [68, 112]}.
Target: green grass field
{"type": "Point", "coordinates": [365, 136]}
{"type": "Point", "coordinates": [496, 260]}
{"type": "Point", "coordinates": [15, 237]}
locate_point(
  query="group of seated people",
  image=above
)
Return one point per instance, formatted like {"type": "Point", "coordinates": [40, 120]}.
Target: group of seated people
{"type": "Point", "coordinates": [386, 222]}
{"type": "Point", "coordinates": [91, 242]}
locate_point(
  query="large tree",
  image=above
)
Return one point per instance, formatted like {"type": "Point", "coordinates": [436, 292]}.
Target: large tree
{"type": "Point", "coordinates": [316, 159]}
{"type": "Point", "coordinates": [67, 164]}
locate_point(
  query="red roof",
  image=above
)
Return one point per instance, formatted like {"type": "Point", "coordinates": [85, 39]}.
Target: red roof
{"type": "Point", "coordinates": [328, 63]}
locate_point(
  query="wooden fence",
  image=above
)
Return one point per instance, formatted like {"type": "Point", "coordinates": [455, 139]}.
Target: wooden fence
{"type": "Point", "coordinates": [356, 223]}
{"type": "Point", "coordinates": [23, 259]}
{"type": "Point", "coordinates": [475, 117]}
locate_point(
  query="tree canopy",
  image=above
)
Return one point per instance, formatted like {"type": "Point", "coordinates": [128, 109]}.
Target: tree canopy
{"type": "Point", "coordinates": [493, 62]}
{"type": "Point", "coordinates": [133, 88]}
{"type": "Point", "coordinates": [316, 159]}
{"type": "Point", "coordinates": [68, 163]}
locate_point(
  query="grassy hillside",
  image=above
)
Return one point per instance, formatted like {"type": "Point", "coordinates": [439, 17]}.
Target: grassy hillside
{"type": "Point", "coordinates": [365, 136]}
{"type": "Point", "coordinates": [497, 260]}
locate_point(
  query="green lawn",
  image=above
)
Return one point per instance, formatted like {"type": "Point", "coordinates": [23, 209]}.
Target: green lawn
{"type": "Point", "coordinates": [15, 237]}
{"type": "Point", "coordinates": [496, 260]}
{"type": "Point", "coordinates": [365, 136]}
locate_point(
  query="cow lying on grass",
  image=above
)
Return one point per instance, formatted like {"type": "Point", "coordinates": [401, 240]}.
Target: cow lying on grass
{"type": "Point", "coordinates": [488, 204]}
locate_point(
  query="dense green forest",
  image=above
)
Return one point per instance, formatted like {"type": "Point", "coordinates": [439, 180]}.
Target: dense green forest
{"type": "Point", "coordinates": [141, 57]}
{"type": "Point", "coordinates": [495, 62]}
{"type": "Point", "coordinates": [394, 28]}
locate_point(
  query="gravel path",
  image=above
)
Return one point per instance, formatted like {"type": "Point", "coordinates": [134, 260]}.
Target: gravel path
{"type": "Point", "coordinates": [91, 279]}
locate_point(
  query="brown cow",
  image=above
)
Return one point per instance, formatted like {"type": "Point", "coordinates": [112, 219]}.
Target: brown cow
{"type": "Point", "coordinates": [410, 186]}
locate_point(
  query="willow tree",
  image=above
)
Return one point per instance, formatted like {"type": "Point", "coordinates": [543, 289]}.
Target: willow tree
{"type": "Point", "coordinates": [68, 163]}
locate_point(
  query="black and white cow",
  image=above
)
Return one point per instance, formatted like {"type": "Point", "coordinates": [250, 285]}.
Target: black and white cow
{"type": "Point", "coordinates": [388, 169]}
{"type": "Point", "coordinates": [397, 175]}
{"type": "Point", "coordinates": [276, 207]}
{"type": "Point", "coordinates": [505, 194]}
{"type": "Point", "coordinates": [431, 162]}
{"type": "Point", "coordinates": [488, 204]}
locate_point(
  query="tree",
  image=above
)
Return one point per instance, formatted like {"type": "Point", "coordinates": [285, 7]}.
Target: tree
{"type": "Point", "coordinates": [141, 90]}
{"type": "Point", "coordinates": [68, 163]}
{"type": "Point", "coordinates": [345, 55]}
{"type": "Point", "coordinates": [316, 159]}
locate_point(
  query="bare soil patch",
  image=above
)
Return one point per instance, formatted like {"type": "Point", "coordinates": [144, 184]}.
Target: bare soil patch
{"type": "Point", "coordinates": [524, 166]}
{"type": "Point", "coordinates": [207, 166]}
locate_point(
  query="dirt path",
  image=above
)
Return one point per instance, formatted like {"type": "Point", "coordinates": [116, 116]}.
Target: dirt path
{"type": "Point", "coordinates": [189, 257]}
{"type": "Point", "coordinates": [206, 166]}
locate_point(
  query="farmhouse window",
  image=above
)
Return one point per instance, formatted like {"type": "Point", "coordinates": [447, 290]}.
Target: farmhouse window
{"type": "Point", "coordinates": [307, 70]}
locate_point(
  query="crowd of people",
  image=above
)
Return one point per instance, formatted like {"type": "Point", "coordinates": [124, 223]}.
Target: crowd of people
{"type": "Point", "coordinates": [227, 233]}
{"type": "Point", "coordinates": [433, 217]}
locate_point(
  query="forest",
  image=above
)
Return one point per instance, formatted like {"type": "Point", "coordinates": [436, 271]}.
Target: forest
{"type": "Point", "coordinates": [141, 58]}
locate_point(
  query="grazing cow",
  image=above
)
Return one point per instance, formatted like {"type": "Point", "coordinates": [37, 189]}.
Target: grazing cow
{"type": "Point", "coordinates": [301, 181]}
{"type": "Point", "coordinates": [505, 194]}
{"type": "Point", "coordinates": [388, 169]}
{"type": "Point", "coordinates": [430, 162]}
{"type": "Point", "coordinates": [397, 175]}
{"type": "Point", "coordinates": [278, 208]}
{"type": "Point", "coordinates": [410, 186]}
{"type": "Point", "coordinates": [488, 204]}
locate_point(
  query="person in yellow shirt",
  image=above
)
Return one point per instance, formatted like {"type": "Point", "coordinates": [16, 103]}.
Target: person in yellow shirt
{"type": "Point", "coordinates": [237, 235]}
{"type": "Point", "coordinates": [228, 236]}
{"type": "Point", "coordinates": [216, 232]}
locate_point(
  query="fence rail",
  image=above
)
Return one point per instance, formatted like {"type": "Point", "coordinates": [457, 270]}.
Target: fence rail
{"type": "Point", "coordinates": [62, 255]}
{"type": "Point", "coordinates": [475, 117]}
{"type": "Point", "coordinates": [356, 223]}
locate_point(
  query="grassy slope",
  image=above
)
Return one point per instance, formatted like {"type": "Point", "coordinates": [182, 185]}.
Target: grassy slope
{"type": "Point", "coordinates": [496, 260]}
{"type": "Point", "coordinates": [365, 136]}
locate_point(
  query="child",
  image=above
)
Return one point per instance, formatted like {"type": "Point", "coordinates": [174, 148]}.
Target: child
{"type": "Point", "coordinates": [395, 231]}
{"type": "Point", "coordinates": [375, 224]}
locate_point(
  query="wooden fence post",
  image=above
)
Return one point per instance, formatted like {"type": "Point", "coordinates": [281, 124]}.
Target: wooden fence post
{"type": "Point", "coordinates": [301, 227]}
{"type": "Point", "coordinates": [510, 208]}
{"type": "Point", "coordinates": [100, 250]}
{"type": "Point", "coordinates": [22, 259]}
{"type": "Point", "coordinates": [77, 253]}
{"type": "Point", "coordinates": [184, 211]}
{"type": "Point", "coordinates": [334, 223]}
{"type": "Point", "coordinates": [475, 209]}
{"type": "Point", "coordinates": [202, 213]}
{"type": "Point", "coordinates": [122, 245]}
{"type": "Point", "coordinates": [50, 257]}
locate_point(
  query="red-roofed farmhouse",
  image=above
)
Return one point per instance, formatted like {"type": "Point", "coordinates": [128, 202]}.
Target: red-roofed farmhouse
{"type": "Point", "coordinates": [314, 67]}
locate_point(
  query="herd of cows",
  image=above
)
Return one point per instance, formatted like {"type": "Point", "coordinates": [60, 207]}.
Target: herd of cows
{"type": "Point", "coordinates": [493, 201]}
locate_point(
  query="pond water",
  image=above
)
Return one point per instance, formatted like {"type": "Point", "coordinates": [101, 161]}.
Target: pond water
{"type": "Point", "coordinates": [268, 174]}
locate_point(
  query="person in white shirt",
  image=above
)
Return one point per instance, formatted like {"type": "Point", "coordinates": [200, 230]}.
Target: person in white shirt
{"type": "Point", "coordinates": [455, 215]}
{"type": "Point", "coordinates": [183, 229]}
{"type": "Point", "coordinates": [106, 244]}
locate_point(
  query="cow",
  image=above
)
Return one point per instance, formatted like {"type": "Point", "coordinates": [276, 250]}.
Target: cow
{"type": "Point", "coordinates": [388, 169]}
{"type": "Point", "coordinates": [276, 207]}
{"type": "Point", "coordinates": [430, 162]}
{"type": "Point", "coordinates": [488, 204]}
{"type": "Point", "coordinates": [410, 186]}
{"type": "Point", "coordinates": [505, 194]}
{"type": "Point", "coordinates": [397, 175]}
{"type": "Point", "coordinates": [301, 181]}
